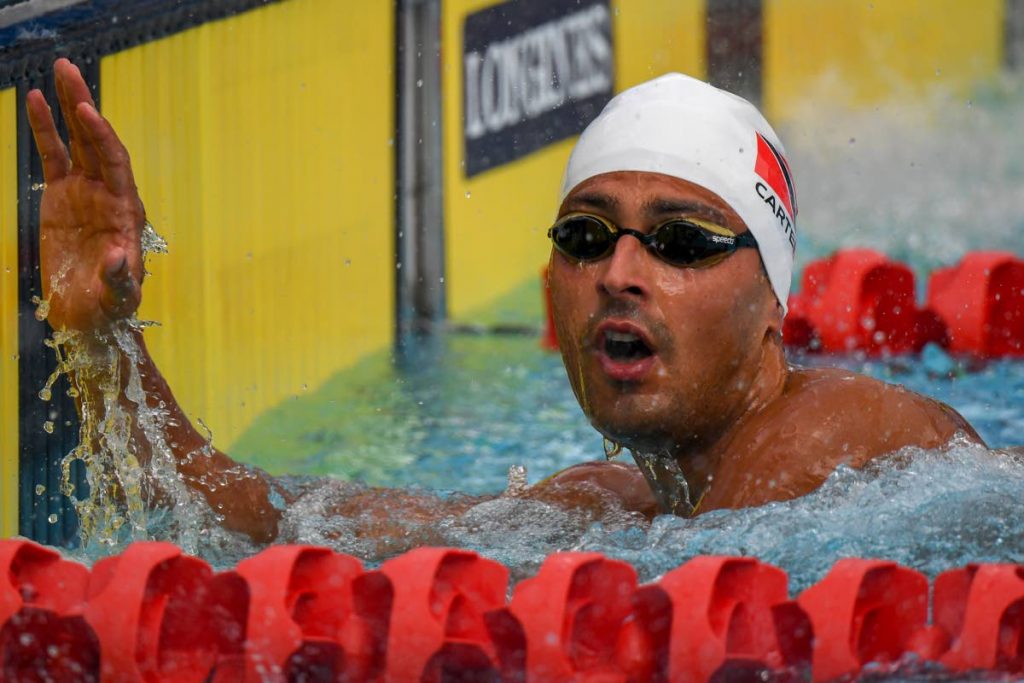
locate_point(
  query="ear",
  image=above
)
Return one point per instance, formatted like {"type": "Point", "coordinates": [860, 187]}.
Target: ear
{"type": "Point", "coordinates": [773, 315]}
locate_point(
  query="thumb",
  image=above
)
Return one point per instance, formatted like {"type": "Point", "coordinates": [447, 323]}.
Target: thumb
{"type": "Point", "coordinates": [121, 293]}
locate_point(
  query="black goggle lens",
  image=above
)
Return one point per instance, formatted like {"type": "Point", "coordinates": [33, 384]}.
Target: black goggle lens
{"type": "Point", "coordinates": [685, 243]}
{"type": "Point", "coordinates": [679, 242]}
{"type": "Point", "coordinates": [582, 238]}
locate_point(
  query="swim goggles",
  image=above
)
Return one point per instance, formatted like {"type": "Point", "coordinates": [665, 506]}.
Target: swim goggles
{"type": "Point", "coordinates": [684, 242]}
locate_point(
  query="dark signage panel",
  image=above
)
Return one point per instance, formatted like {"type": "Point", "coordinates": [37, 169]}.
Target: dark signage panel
{"type": "Point", "coordinates": [534, 72]}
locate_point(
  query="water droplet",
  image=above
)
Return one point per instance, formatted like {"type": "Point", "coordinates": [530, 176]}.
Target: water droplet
{"type": "Point", "coordinates": [48, 426]}
{"type": "Point", "coordinates": [40, 489]}
{"type": "Point", "coordinates": [419, 82]}
{"type": "Point", "coordinates": [45, 394]}
{"type": "Point", "coordinates": [468, 194]}
{"type": "Point", "coordinates": [52, 519]}
{"type": "Point", "coordinates": [26, 639]}
{"type": "Point", "coordinates": [36, 187]}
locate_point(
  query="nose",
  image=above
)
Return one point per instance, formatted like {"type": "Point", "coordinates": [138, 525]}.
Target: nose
{"type": "Point", "coordinates": [627, 270]}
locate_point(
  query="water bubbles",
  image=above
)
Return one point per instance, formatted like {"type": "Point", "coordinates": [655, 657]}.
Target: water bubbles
{"type": "Point", "coordinates": [40, 489]}
{"type": "Point", "coordinates": [42, 308]}
{"type": "Point", "coordinates": [45, 394]}
{"type": "Point", "coordinates": [52, 519]}
{"type": "Point", "coordinates": [419, 82]}
{"type": "Point", "coordinates": [348, 262]}
{"type": "Point", "coordinates": [517, 483]}
{"type": "Point", "coordinates": [48, 426]}
{"type": "Point", "coordinates": [26, 639]}
{"type": "Point", "coordinates": [468, 194]}
{"type": "Point", "coordinates": [38, 187]}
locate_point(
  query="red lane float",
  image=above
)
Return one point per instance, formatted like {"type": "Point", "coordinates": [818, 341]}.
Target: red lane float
{"type": "Point", "coordinates": [311, 610]}
{"type": "Point", "coordinates": [723, 617]}
{"type": "Point", "coordinates": [860, 300]}
{"type": "Point", "coordinates": [864, 611]}
{"type": "Point", "coordinates": [43, 635]}
{"type": "Point", "coordinates": [301, 613]}
{"type": "Point", "coordinates": [572, 614]}
{"type": "Point", "coordinates": [857, 300]}
{"type": "Point", "coordinates": [981, 303]}
{"type": "Point", "coordinates": [445, 622]}
{"type": "Point", "coordinates": [980, 611]}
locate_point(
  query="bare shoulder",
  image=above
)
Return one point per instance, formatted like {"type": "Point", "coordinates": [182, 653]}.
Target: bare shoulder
{"type": "Point", "coordinates": [824, 419]}
{"type": "Point", "coordinates": [867, 417]}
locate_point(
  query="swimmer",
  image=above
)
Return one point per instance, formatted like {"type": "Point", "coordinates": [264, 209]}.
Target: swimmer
{"type": "Point", "coordinates": [671, 261]}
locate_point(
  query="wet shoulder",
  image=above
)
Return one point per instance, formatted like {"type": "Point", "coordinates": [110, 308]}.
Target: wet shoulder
{"type": "Point", "coordinates": [824, 419]}
{"type": "Point", "coordinates": [864, 417]}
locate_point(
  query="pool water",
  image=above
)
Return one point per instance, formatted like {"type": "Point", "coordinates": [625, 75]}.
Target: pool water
{"type": "Point", "coordinates": [466, 409]}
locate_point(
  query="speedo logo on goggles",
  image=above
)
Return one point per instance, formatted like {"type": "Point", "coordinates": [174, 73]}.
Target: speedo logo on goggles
{"type": "Point", "coordinates": [685, 242]}
{"type": "Point", "coordinates": [777, 190]}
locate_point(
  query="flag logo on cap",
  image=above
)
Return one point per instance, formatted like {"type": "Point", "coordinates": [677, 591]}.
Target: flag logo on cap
{"type": "Point", "coordinates": [774, 171]}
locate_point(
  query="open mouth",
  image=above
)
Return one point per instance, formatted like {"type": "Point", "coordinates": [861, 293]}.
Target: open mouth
{"type": "Point", "coordinates": [625, 347]}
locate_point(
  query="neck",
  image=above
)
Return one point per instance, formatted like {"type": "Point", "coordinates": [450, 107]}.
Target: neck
{"type": "Point", "coordinates": [699, 464]}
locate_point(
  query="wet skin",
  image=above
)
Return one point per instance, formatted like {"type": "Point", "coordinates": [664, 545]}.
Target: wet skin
{"type": "Point", "coordinates": [712, 390]}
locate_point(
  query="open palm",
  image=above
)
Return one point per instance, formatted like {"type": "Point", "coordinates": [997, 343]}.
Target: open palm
{"type": "Point", "coordinates": [91, 217]}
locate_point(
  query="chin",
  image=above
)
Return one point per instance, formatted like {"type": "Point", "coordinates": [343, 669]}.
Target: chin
{"type": "Point", "coordinates": [640, 432]}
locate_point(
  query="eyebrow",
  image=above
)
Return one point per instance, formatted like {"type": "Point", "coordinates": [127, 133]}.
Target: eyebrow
{"type": "Point", "coordinates": [654, 208]}
{"type": "Point", "coordinates": [594, 200]}
{"type": "Point", "coordinates": [660, 207]}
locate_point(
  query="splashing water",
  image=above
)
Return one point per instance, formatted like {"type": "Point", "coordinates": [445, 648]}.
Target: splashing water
{"type": "Point", "coordinates": [102, 369]}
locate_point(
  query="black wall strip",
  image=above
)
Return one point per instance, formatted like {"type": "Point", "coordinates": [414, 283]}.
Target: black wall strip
{"type": "Point", "coordinates": [101, 27]}
{"type": "Point", "coordinates": [40, 453]}
{"type": "Point", "coordinates": [1013, 35]}
{"type": "Point", "coordinates": [735, 30]}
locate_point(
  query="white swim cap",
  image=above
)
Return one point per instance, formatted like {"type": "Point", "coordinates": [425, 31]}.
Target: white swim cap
{"type": "Point", "coordinates": [683, 127]}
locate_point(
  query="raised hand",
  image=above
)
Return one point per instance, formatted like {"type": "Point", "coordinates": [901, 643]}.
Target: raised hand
{"type": "Point", "coordinates": [91, 217]}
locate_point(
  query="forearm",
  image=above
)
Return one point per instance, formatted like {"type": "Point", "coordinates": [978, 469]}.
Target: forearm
{"type": "Point", "coordinates": [238, 495]}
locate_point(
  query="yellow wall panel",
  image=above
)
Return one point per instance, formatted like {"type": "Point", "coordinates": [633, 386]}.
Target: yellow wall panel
{"type": "Point", "coordinates": [653, 37]}
{"type": "Point", "coordinates": [8, 314]}
{"type": "Point", "coordinates": [497, 221]}
{"type": "Point", "coordinates": [262, 148]}
{"type": "Point", "coordinates": [856, 52]}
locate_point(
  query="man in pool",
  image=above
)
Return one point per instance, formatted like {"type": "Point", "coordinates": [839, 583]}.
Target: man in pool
{"type": "Point", "coordinates": [670, 270]}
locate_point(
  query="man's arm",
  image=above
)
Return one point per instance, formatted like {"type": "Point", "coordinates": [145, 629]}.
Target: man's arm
{"type": "Point", "coordinates": [91, 260]}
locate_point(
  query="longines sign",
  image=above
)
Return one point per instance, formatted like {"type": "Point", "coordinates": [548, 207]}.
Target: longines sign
{"type": "Point", "coordinates": [534, 72]}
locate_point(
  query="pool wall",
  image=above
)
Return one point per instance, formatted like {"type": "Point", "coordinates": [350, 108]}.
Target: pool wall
{"type": "Point", "coordinates": [265, 138]}
{"type": "Point", "coordinates": [438, 614]}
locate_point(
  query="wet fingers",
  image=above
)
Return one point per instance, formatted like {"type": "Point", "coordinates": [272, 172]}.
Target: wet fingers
{"type": "Point", "coordinates": [52, 151]}
{"type": "Point", "coordinates": [114, 162]}
{"type": "Point", "coordinates": [71, 91]}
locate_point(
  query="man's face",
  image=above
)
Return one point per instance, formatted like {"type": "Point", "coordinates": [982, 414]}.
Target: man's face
{"type": "Point", "coordinates": [660, 357]}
